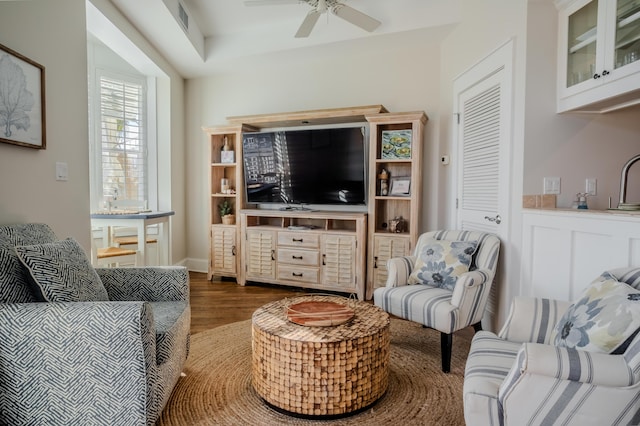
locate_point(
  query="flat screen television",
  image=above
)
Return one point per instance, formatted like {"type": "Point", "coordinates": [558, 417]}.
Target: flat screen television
{"type": "Point", "coordinates": [319, 166]}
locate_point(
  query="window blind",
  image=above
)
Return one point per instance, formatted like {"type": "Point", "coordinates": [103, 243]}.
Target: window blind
{"type": "Point", "coordinates": [123, 142]}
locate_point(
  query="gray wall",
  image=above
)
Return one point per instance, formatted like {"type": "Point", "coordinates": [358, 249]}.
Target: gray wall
{"type": "Point", "coordinates": [572, 146]}
{"type": "Point", "coordinates": [54, 35]}
{"type": "Point", "coordinates": [400, 72]}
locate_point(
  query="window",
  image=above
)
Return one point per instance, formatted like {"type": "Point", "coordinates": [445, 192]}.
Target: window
{"type": "Point", "coordinates": [120, 160]}
{"type": "Point", "coordinates": [123, 137]}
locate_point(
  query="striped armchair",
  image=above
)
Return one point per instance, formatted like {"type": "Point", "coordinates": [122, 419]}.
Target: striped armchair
{"type": "Point", "coordinates": [520, 377]}
{"type": "Point", "coordinates": [439, 308]}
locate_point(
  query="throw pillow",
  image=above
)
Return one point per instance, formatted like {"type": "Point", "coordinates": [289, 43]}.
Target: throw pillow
{"type": "Point", "coordinates": [61, 272]}
{"type": "Point", "coordinates": [441, 262]}
{"type": "Point", "coordinates": [605, 319]}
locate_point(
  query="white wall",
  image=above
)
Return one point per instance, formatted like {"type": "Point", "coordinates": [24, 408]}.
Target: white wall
{"type": "Point", "coordinates": [52, 34]}
{"type": "Point", "coordinates": [399, 71]}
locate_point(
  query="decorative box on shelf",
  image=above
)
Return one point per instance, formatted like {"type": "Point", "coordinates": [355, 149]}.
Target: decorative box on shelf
{"type": "Point", "coordinates": [227, 157]}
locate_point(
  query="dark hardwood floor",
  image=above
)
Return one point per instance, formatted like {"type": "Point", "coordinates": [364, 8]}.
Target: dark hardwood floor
{"type": "Point", "coordinates": [215, 303]}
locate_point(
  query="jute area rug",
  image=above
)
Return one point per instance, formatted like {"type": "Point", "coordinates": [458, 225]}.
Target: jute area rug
{"type": "Point", "coordinates": [216, 388]}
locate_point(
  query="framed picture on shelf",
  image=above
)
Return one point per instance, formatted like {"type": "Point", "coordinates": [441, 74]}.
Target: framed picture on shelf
{"type": "Point", "coordinates": [400, 186]}
{"type": "Point", "coordinates": [396, 144]}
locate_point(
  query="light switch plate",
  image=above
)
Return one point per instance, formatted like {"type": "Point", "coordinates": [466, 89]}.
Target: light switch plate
{"type": "Point", "coordinates": [62, 171]}
{"type": "Point", "coordinates": [591, 186]}
{"type": "Point", "coordinates": [551, 185]}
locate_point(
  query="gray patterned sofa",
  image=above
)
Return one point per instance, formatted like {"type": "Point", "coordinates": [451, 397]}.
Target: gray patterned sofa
{"type": "Point", "coordinates": [113, 361]}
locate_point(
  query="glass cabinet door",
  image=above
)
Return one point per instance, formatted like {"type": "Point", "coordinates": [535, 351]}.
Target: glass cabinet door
{"type": "Point", "coordinates": [627, 47]}
{"type": "Point", "coordinates": [582, 43]}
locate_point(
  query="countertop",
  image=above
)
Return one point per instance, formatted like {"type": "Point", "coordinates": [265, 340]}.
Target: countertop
{"type": "Point", "coordinates": [588, 212]}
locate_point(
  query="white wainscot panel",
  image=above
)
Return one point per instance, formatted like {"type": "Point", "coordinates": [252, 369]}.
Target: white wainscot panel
{"type": "Point", "coordinates": [564, 251]}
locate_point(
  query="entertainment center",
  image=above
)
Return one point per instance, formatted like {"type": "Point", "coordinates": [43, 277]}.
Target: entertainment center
{"type": "Point", "coordinates": [332, 160]}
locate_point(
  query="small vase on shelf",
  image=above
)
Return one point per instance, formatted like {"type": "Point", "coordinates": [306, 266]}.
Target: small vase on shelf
{"type": "Point", "coordinates": [384, 182]}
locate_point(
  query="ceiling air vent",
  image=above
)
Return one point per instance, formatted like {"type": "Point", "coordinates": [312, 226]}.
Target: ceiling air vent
{"type": "Point", "coordinates": [184, 18]}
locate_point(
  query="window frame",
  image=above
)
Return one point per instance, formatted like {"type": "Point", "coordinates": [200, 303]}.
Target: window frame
{"type": "Point", "coordinates": [149, 139]}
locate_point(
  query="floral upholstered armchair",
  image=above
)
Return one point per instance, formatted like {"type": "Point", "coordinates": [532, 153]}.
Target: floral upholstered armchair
{"type": "Point", "coordinates": [557, 362]}
{"type": "Point", "coordinates": [444, 285]}
{"type": "Point", "coordinates": [81, 346]}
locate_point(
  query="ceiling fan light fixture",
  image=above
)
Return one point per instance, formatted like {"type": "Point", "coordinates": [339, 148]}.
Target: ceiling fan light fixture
{"type": "Point", "coordinates": [341, 10]}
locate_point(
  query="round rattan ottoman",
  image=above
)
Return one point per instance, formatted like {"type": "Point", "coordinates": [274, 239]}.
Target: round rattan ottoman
{"type": "Point", "coordinates": [320, 371]}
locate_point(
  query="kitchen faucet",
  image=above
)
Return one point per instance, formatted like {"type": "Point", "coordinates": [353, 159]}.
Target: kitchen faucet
{"type": "Point", "coordinates": [623, 181]}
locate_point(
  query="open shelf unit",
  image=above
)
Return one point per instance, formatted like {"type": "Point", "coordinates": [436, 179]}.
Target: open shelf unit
{"type": "Point", "coordinates": [223, 238]}
{"type": "Point", "coordinates": [403, 204]}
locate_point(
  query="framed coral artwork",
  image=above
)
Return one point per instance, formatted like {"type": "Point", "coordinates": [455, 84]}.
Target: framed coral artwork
{"type": "Point", "coordinates": [22, 108]}
{"type": "Point", "coordinates": [396, 144]}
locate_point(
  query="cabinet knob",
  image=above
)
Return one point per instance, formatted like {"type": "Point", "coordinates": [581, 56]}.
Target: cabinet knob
{"type": "Point", "coordinates": [296, 257]}
{"type": "Point", "coordinates": [324, 259]}
{"type": "Point", "coordinates": [273, 255]}
{"type": "Point", "coordinates": [605, 72]}
{"type": "Point", "coordinates": [233, 250]}
{"type": "Point", "coordinates": [297, 274]}
{"type": "Point", "coordinates": [375, 261]}
{"type": "Point", "coordinates": [297, 240]}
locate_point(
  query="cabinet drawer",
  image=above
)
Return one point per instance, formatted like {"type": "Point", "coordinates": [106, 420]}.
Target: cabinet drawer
{"type": "Point", "coordinates": [294, 256]}
{"type": "Point", "coordinates": [298, 239]}
{"type": "Point", "coordinates": [298, 273]}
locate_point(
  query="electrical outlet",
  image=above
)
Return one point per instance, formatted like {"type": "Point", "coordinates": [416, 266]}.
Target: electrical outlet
{"type": "Point", "coordinates": [551, 185]}
{"type": "Point", "coordinates": [590, 186]}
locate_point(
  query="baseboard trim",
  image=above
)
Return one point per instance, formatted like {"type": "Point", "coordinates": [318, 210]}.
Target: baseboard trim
{"type": "Point", "coordinates": [196, 265]}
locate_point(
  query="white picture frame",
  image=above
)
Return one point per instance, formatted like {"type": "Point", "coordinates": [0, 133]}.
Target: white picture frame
{"type": "Point", "coordinates": [400, 186]}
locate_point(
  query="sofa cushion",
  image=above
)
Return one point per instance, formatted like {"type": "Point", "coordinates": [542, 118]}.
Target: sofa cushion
{"type": "Point", "coordinates": [14, 280]}
{"type": "Point", "coordinates": [441, 262]}
{"type": "Point", "coordinates": [605, 318]}
{"type": "Point", "coordinates": [61, 272]}
{"type": "Point", "coordinates": [167, 317]}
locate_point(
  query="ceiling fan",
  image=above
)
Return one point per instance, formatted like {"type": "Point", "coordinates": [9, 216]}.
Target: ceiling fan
{"type": "Point", "coordinates": [339, 9]}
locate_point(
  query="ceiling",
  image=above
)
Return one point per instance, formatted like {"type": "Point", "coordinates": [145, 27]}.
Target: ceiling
{"type": "Point", "coordinates": [223, 32]}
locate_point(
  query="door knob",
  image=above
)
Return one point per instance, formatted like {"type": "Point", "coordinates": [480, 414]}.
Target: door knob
{"type": "Point", "coordinates": [496, 219]}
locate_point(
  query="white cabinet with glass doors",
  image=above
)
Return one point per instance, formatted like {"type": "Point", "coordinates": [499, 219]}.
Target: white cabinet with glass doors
{"type": "Point", "coordinates": [598, 54]}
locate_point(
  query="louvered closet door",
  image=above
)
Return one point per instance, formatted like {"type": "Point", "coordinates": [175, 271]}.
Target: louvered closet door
{"type": "Point", "coordinates": [483, 96]}
{"type": "Point", "coordinates": [483, 142]}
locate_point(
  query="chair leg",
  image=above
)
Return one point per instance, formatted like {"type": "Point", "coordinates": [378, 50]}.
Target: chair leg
{"type": "Point", "coordinates": [477, 326]}
{"type": "Point", "coordinates": [446, 341]}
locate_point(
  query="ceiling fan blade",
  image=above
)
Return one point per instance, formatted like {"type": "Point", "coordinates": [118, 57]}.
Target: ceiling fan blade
{"type": "Point", "coordinates": [355, 17]}
{"type": "Point", "coordinates": [308, 24]}
{"type": "Point", "coordinates": [270, 2]}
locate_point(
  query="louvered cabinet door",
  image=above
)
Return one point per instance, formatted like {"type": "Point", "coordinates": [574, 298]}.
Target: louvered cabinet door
{"type": "Point", "coordinates": [223, 250]}
{"type": "Point", "coordinates": [260, 254]}
{"type": "Point", "coordinates": [385, 248]}
{"type": "Point", "coordinates": [338, 261]}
